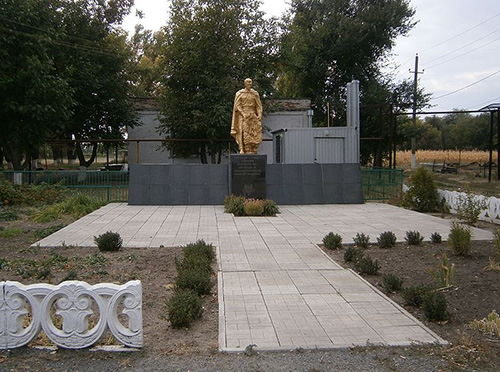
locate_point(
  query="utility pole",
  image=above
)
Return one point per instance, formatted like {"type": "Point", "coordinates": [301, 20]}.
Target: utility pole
{"type": "Point", "coordinates": [414, 116]}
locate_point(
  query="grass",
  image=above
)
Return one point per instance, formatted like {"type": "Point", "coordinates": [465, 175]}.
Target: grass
{"type": "Point", "coordinates": [11, 232]}
{"type": "Point", "coordinates": [76, 206]}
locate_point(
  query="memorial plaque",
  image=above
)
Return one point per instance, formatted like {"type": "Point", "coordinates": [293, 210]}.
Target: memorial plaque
{"type": "Point", "coordinates": [248, 176]}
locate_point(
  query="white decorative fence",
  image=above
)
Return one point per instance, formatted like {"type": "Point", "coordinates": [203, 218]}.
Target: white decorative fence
{"type": "Point", "coordinates": [490, 214]}
{"type": "Point", "coordinates": [82, 313]}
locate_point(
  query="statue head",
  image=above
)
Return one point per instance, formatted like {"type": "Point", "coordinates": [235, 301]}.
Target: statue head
{"type": "Point", "coordinates": [248, 84]}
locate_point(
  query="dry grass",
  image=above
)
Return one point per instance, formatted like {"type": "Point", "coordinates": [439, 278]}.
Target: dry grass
{"type": "Point", "coordinates": [489, 325]}
{"type": "Point", "coordinates": [444, 156]}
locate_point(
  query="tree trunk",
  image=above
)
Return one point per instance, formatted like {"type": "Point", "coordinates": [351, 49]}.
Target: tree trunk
{"type": "Point", "coordinates": [81, 156]}
{"type": "Point", "coordinates": [1, 158]}
{"type": "Point", "coordinates": [71, 153]}
{"type": "Point", "coordinates": [203, 154]}
{"type": "Point", "coordinates": [14, 155]}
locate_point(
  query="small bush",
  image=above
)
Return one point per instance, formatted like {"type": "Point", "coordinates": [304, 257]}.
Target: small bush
{"type": "Point", "coordinates": [367, 266]}
{"type": "Point", "coordinates": [436, 238]}
{"type": "Point", "coordinates": [422, 194]}
{"type": "Point", "coordinates": [496, 241]}
{"type": "Point", "coordinates": [414, 296]}
{"type": "Point", "coordinates": [353, 254]}
{"type": "Point", "coordinates": [387, 239]}
{"type": "Point", "coordinates": [270, 208]}
{"type": "Point", "coordinates": [200, 248]}
{"type": "Point", "coordinates": [469, 207]}
{"type": "Point", "coordinates": [413, 238]}
{"type": "Point", "coordinates": [194, 262]}
{"type": "Point", "coordinates": [44, 232]}
{"type": "Point", "coordinates": [332, 241]}
{"type": "Point", "coordinates": [392, 283]}
{"type": "Point", "coordinates": [435, 306]}
{"type": "Point", "coordinates": [459, 239]}
{"type": "Point", "coordinates": [108, 242]}
{"type": "Point", "coordinates": [253, 207]}
{"type": "Point", "coordinates": [11, 232]}
{"type": "Point", "coordinates": [184, 307]}
{"type": "Point", "coordinates": [7, 214]}
{"type": "Point", "coordinates": [234, 204]}
{"type": "Point", "coordinates": [197, 280]}
{"type": "Point", "coordinates": [362, 240]}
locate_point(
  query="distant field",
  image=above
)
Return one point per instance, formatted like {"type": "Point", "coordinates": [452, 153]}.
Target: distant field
{"type": "Point", "coordinates": [464, 158]}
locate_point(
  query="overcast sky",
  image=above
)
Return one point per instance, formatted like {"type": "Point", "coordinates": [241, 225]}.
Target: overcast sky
{"type": "Point", "coordinates": [458, 42]}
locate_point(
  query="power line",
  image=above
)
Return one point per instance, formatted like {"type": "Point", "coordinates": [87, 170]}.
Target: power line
{"type": "Point", "coordinates": [460, 34]}
{"type": "Point", "coordinates": [468, 86]}
{"type": "Point", "coordinates": [484, 103]}
{"type": "Point", "coordinates": [463, 47]}
{"type": "Point", "coordinates": [463, 54]}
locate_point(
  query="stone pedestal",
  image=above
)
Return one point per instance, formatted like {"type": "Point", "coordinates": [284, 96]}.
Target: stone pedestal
{"type": "Point", "coordinates": [247, 174]}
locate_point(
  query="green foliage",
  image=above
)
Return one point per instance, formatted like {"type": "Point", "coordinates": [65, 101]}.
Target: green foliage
{"type": "Point", "coordinates": [445, 272]}
{"type": "Point", "coordinates": [108, 242]}
{"type": "Point", "coordinates": [387, 239]}
{"type": "Point", "coordinates": [200, 248]}
{"type": "Point", "coordinates": [435, 306]}
{"type": "Point", "coordinates": [353, 254]}
{"type": "Point", "coordinates": [366, 266]}
{"type": "Point", "coordinates": [469, 207]}
{"type": "Point", "coordinates": [460, 239]}
{"type": "Point", "coordinates": [392, 283]}
{"type": "Point", "coordinates": [76, 206]}
{"type": "Point", "coordinates": [362, 240]}
{"type": "Point", "coordinates": [436, 238]}
{"type": "Point", "coordinates": [414, 296]}
{"type": "Point", "coordinates": [496, 241]}
{"type": "Point", "coordinates": [183, 308]}
{"type": "Point", "coordinates": [3, 263]}
{"type": "Point", "coordinates": [195, 262]}
{"type": "Point", "coordinates": [11, 232]}
{"type": "Point", "coordinates": [234, 204]}
{"type": "Point", "coordinates": [11, 194]}
{"type": "Point", "coordinates": [8, 214]}
{"type": "Point", "coordinates": [332, 241]}
{"type": "Point", "coordinates": [197, 280]}
{"type": "Point", "coordinates": [229, 40]}
{"type": "Point", "coordinates": [413, 238]}
{"type": "Point", "coordinates": [253, 207]}
{"type": "Point", "coordinates": [44, 232]}
{"type": "Point", "coordinates": [70, 275]}
{"type": "Point", "coordinates": [270, 208]}
{"type": "Point", "coordinates": [422, 194]}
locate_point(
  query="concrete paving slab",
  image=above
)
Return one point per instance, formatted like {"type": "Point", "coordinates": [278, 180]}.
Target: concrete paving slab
{"type": "Point", "coordinates": [277, 289]}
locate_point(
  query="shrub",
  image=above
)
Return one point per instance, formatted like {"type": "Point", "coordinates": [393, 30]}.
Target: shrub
{"type": "Point", "coordinates": [44, 232]}
{"type": "Point", "coordinates": [197, 280]}
{"type": "Point", "coordinates": [234, 204]}
{"type": "Point", "coordinates": [436, 238]}
{"type": "Point", "coordinates": [392, 283]}
{"type": "Point", "coordinates": [469, 207]}
{"type": "Point", "coordinates": [413, 238]}
{"type": "Point", "coordinates": [270, 208]}
{"type": "Point", "coordinates": [183, 307]}
{"type": "Point", "coordinates": [77, 206]}
{"type": "Point", "coordinates": [422, 194]}
{"type": "Point", "coordinates": [414, 296]}
{"type": "Point", "coordinates": [353, 254]}
{"type": "Point", "coordinates": [109, 242]}
{"type": "Point", "coordinates": [332, 241]}
{"type": "Point", "coordinates": [445, 272]}
{"type": "Point", "coordinates": [253, 207]}
{"type": "Point", "coordinates": [387, 239]}
{"type": "Point", "coordinates": [200, 248]}
{"type": "Point", "coordinates": [459, 239]}
{"type": "Point", "coordinates": [496, 241]}
{"type": "Point", "coordinates": [435, 306]}
{"type": "Point", "coordinates": [367, 266]}
{"type": "Point", "coordinates": [7, 214]}
{"type": "Point", "coordinates": [194, 262]}
{"type": "Point", "coordinates": [362, 240]}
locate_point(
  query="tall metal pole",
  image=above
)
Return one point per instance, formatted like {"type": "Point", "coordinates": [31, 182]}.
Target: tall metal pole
{"type": "Point", "coordinates": [414, 116]}
{"type": "Point", "coordinates": [492, 116]}
{"type": "Point", "coordinates": [498, 144]}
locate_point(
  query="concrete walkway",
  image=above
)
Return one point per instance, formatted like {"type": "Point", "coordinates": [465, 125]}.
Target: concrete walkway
{"type": "Point", "coordinates": [277, 289]}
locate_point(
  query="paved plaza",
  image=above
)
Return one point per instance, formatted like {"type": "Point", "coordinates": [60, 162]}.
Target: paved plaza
{"type": "Point", "coordinates": [277, 289]}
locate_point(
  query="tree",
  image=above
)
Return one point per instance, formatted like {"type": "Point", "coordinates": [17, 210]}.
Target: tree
{"type": "Point", "coordinates": [61, 73]}
{"type": "Point", "coordinates": [327, 43]}
{"type": "Point", "coordinates": [211, 46]}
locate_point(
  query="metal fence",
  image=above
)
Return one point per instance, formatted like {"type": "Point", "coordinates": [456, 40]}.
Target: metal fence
{"type": "Point", "coordinates": [105, 185]}
{"type": "Point", "coordinates": [378, 184]}
{"type": "Point", "coordinates": [382, 184]}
